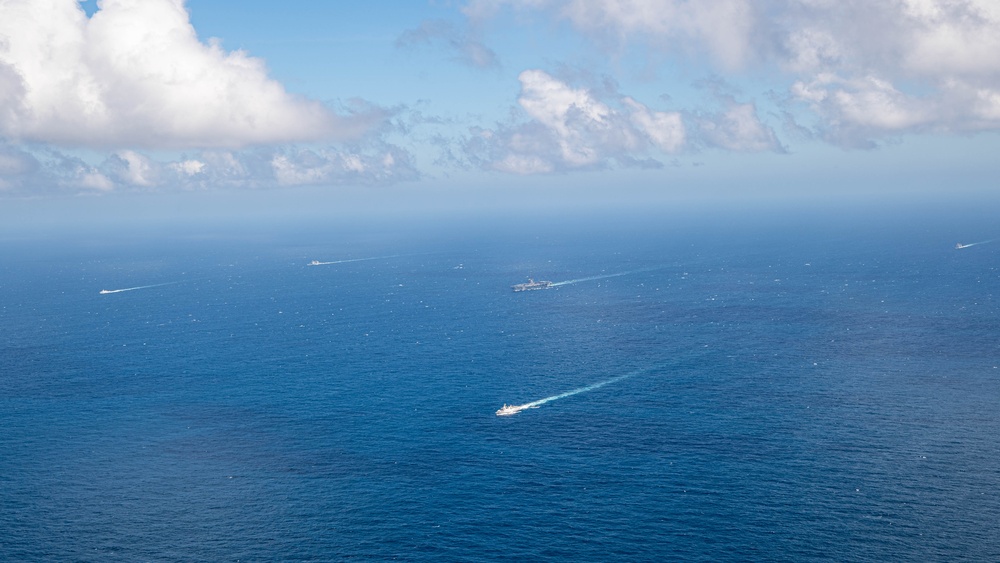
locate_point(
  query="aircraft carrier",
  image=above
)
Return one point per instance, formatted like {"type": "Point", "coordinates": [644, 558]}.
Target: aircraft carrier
{"type": "Point", "coordinates": [532, 284]}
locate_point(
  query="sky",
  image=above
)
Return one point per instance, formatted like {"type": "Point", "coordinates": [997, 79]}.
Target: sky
{"type": "Point", "coordinates": [626, 99]}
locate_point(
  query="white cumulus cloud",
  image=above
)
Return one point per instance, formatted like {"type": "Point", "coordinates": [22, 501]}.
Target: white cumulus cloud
{"type": "Point", "coordinates": [136, 169]}
{"type": "Point", "coordinates": [566, 128]}
{"type": "Point", "coordinates": [571, 128]}
{"type": "Point", "coordinates": [664, 129]}
{"type": "Point", "coordinates": [720, 28]}
{"type": "Point", "coordinates": [736, 128]}
{"type": "Point", "coordinates": [861, 70]}
{"type": "Point", "coordinates": [135, 75]}
{"type": "Point", "coordinates": [188, 167]}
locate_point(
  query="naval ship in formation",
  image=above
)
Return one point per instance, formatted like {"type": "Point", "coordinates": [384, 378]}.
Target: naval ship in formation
{"type": "Point", "coordinates": [508, 410]}
{"type": "Point", "coordinates": [532, 284]}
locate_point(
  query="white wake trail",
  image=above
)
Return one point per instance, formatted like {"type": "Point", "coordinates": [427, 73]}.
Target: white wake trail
{"type": "Point", "coordinates": [603, 276]}
{"type": "Point", "coordinates": [318, 263]}
{"type": "Point", "coordinates": [960, 246]}
{"type": "Point", "coordinates": [107, 291]}
{"type": "Point", "coordinates": [508, 410]}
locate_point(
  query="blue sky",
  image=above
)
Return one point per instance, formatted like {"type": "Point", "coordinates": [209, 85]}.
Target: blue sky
{"type": "Point", "coordinates": [660, 98]}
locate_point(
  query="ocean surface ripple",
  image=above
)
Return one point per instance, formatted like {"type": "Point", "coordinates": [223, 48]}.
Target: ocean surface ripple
{"type": "Point", "coordinates": [820, 399]}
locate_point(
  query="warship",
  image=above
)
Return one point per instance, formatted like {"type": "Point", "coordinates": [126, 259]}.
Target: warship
{"type": "Point", "coordinates": [532, 284]}
{"type": "Point", "coordinates": [509, 410]}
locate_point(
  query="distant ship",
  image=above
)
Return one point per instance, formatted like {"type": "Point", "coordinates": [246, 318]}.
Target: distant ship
{"type": "Point", "coordinates": [103, 291]}
{"type": "Point", "coordinates": [508, 410]}
{"type": "Point", "coordinates": [532, 284]}
{"type": "Point", "coordinates": [315, 263]}
{"type": "Point", "coordinates": [959, 246]}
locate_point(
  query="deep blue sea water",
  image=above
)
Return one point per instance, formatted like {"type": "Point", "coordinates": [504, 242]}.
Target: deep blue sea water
{"type": "Point", "coordinates": [800, 390]}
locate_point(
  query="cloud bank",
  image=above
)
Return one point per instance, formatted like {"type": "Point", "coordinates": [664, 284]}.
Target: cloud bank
{"type": "Point", "coordinates": [135, 75]}
{"type": "Point", "coordinates": [134, 79]}
{"type": "Point", "coordinates": [858, 70]}
{"type": "Point", "coordinates": [566, 128]}
{"type": "Point", "coordinates": [49, 171]}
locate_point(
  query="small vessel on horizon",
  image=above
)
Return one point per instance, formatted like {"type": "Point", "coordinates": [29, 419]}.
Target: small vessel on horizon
{"type": "Point", "coordinates": [532, 284]}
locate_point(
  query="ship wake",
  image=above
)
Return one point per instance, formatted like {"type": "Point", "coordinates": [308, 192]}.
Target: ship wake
{"type": "Point", "coordinates": [319, 263]}
{"type": "Point", "coordinates": [107, 291]}
{"type": "Point", "coordinates": [603, 276]}
{"type": "Point", "coordinates": [509, 410]}
{"type": "Point", "coordinates": [960, 246]}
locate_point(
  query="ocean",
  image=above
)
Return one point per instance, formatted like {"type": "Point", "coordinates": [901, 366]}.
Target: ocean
{"type": "Point", "coordinates": [786, 388]}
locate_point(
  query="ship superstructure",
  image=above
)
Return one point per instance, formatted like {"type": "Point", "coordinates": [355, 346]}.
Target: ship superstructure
{"type": "Point", "coordinates": [531, 285]}
{"type": "Point", "coordinates": [509, 410]}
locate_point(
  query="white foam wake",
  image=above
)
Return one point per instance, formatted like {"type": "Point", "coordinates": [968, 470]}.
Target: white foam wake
{"type": "Point", "coordinates": [960, 246]}
{"type": "Point", "coordinates": [603, 276]}
{"type": "Point", "coordinates": [107, 291]}
{"type": "Point", "coordinates": [508, 410]}
{"type": "Point", "coordinates": [318, 263]}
